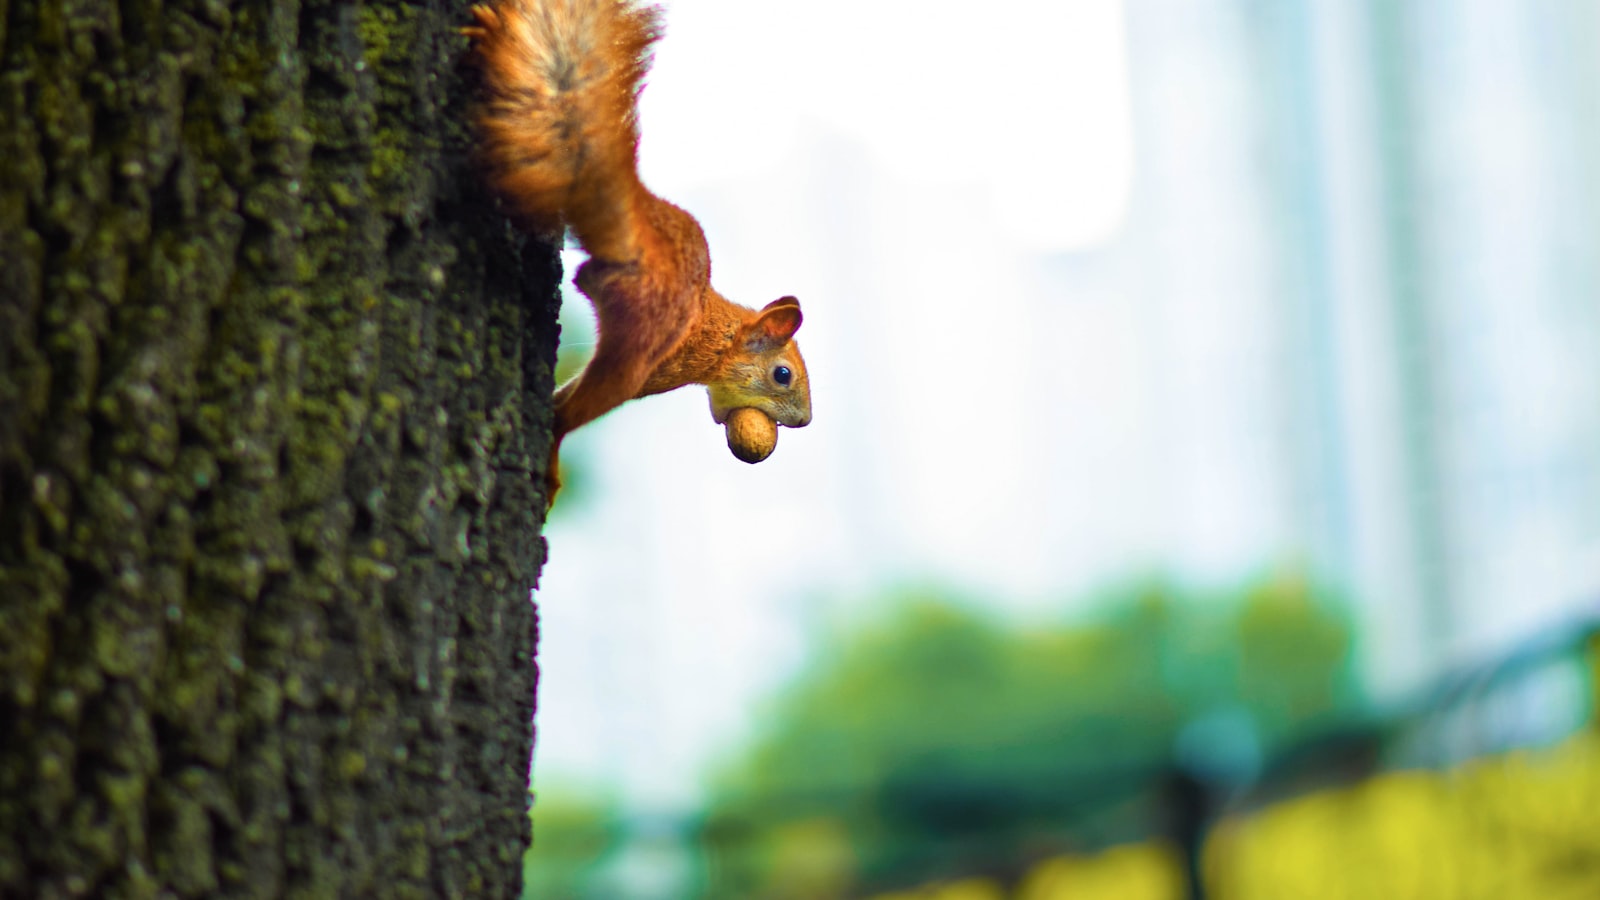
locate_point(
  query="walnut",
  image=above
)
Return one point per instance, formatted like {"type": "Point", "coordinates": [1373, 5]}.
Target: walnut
{"type": "Point", "coordinates": [752, 435]}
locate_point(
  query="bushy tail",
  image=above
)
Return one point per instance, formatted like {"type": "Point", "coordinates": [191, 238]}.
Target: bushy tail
{"type": "Point", "coordinates": [559, 128]}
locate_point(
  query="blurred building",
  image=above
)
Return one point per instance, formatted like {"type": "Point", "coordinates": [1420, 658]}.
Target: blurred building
{"type": "Point", "coordinates": [1364, 238]}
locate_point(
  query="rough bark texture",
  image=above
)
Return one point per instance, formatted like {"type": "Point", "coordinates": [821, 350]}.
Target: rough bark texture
{"type": "Point", "coordinates": [274, 380]}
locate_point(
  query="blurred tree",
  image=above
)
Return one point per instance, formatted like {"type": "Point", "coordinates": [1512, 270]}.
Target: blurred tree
{"type": "Point", "coordinates": [1294, 658]}
{"type": "Point", "coordinates": [945, 746]}
{"type": "Point", "coordinates": [274, 385]}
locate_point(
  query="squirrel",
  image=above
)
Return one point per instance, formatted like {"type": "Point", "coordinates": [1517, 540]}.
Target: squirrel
{"type": "Point", "coordinates": [559, 138]}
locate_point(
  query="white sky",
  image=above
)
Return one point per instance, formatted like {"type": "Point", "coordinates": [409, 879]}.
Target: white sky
{"type": "Point", "coordinates": [1026, 101]}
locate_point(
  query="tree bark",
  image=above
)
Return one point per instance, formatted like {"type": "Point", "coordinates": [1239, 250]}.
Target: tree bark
{"type": "Point", "coordinates": [274, 384]}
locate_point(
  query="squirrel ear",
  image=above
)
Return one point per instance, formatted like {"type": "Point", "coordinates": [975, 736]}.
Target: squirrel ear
{"type": "Point", "coordinates": [778, 322]}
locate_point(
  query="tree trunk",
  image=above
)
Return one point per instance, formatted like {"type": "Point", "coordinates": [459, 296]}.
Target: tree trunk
{"type": "Point", "coordinates": [274, 384]}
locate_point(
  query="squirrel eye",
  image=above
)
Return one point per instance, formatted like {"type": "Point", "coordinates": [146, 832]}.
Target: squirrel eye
{"type": "Point", "coordinates": [782, 375]}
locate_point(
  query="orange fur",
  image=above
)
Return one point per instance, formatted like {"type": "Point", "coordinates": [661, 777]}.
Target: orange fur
{"type": "Point", "coordinates": [560, 139]}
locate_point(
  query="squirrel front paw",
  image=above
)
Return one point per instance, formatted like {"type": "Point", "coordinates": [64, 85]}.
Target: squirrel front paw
{"type": "Point", "coordinates": [552, 484]}
{"type": "Point", "coordinates": [552, 476]}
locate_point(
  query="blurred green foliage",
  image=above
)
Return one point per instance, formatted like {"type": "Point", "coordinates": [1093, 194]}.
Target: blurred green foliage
{"type": "Point", "coordinates": [941, 742]}
{"type": "Point", "coordinates": [573, 835]}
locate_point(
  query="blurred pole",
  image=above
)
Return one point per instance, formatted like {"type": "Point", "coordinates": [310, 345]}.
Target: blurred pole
{"type": "Point", "coordinates": [1189, 811]}
{"type": "Point", "coordinates": [1415, 352]}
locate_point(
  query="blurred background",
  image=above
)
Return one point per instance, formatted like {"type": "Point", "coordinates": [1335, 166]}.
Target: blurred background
{"type": "Point", "coordinates": [1204, 486]}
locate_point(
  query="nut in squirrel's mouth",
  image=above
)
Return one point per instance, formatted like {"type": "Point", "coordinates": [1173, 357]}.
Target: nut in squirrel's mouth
{"type": "Point", "coordinates": [752, 434]}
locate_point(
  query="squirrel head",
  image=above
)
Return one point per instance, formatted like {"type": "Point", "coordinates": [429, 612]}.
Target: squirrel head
{"type": "Point", "coordinates": [763, 369]}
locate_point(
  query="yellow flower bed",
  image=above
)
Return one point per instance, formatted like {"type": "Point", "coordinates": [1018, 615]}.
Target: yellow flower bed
{"type": "Point", "coordinates": [1522, 825]}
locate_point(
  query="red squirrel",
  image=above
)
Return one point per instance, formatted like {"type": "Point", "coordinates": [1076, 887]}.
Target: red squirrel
{"type": "Point", "coordinates": [560, 139]}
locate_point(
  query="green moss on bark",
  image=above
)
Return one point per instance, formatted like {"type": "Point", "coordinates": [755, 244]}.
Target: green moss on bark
{"type": "Point", "coordinates": [274, 383]}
